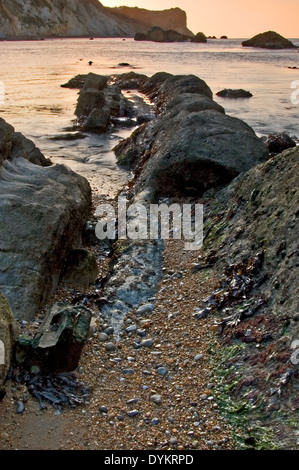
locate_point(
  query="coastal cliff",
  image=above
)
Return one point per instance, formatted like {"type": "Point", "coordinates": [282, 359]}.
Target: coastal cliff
{"type": "Point", "coordinates": [174, 18]}
{"type": "Point", "coordinates": [29, 19]}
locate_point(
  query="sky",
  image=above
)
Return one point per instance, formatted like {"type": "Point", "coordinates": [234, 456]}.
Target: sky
{"type": "Point", "coordinates": [233, 18]}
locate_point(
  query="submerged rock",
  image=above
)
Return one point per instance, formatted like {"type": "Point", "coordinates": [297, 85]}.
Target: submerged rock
{"type": "Point", "coordinates": [229, 93]}
{"type": "Point", "coordinates": [269, 40]}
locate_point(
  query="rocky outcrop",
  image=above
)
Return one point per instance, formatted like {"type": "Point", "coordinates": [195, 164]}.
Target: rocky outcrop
{"type": "Point", "coordinates": [229, 93]}
{"type": "Point", "coordinates": [100, 105]}
{"type": "Point", "coordinates": [81, 18]}
{"type": "Point", "coordinates": [14, 144]}
{"type": "Point", "coordinates": [8, 335]}
{"type": "Point", "coordinates": [60, 18]}
{"type": "Point", "coordinates": [191, 145]}
{"type": "Point", "coordinates": [174, 18]}
{"type": "Point", "coordinates": [269, 40]}
{"type": "Point", "coordinates": [157, 34]}
{"type": "Point", "coordinates": [199, 37]}
{"type": "Point", "coordinates": [252, 238]}
{"type": "Point", "coordinates": [43, 210]}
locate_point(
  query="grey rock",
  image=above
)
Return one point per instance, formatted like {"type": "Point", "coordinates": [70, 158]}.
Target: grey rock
{"type": "Point", "coordinates": [103, 337]}
{"type": "Point", "coordinates": [58, 342]}
{"type": "Point", "coordinates": [198, 357]}
{"type": "Point", "coordinates": [147, 308]}
{"type": "Point", "coordinates": [157, 399]}
{"type": "Point", "coordinates": [80, 269]}
{"type": "Point", "coordinates": [146, 343]}
{"type": "Point", "coordinates": [192, 145]}
{"type": "Point", "coordinates": [109, 331]}
{"type": "Point", "coordinates": [133, 413]}
{"type": "Point", "coordinates": [131, 328]}
{"type": "Point", "coordinates": [173, 441]}
{"type": "Point", "coordinates": [128, 372]}
{"type": "Point", "coordinates": [141, 333]}
{"type": "Point", "coordinates": [155, 421]}
{"type": "Point", "coordinates": [103, 409]}
{"type": "Point", "coordinates": [110, 347]}
{"type": "Point", "coordinates": [162, 371]}
{"type": "Point", "coordinates": [49, 206]}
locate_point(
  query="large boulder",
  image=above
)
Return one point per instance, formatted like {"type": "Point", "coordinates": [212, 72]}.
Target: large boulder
{"type": "Point", "coordinates": [269, 40]}
{"type": "Point", "coordinates": [8, 335]}
{"type": "Point", "coordinates": [100, 104]}
{"type": "Point", "coordinates": [192, 145]}
{"type": "Point", "coordinates": [42, 212]}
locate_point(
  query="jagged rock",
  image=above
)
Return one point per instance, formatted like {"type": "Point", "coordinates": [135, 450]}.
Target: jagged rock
{"type": "Point", "coordinates": [192, 145]}
{"type": "Point", "coordinates": [14, 144]}
{"type": "Point", "coordinates": [158, 34]}
{"type": "Point", "coordinates": [199, 37]}
{"type": "Point", "coordinates": [42, 212]}
{"type": "Point", "coordinates": [99, 103]}
{"type": "Point", "coordinates": [277, 143]}
{"type": "Point", "coordinates": [76, 82]}
{"type": "Point", "coordinates": [58, 343]}
{"type": "Point", "coordinates": [269, 40]}
{"type": "Point", "coordinates": [130, 80]}
{"type": "Point", "coordinates": [229, 93]}
{"type": "Point", "coordinates": [8, 335]}
{"type": "Point", "coordinates": [80, 269]}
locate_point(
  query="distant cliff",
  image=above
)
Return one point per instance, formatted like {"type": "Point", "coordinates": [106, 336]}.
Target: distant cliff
{"type": "Point", "coordinates": [60, 18]}
{"type": "Point", "coordinates": [22, 19]}
{"type": "Point", "coordinates": [174, 18]}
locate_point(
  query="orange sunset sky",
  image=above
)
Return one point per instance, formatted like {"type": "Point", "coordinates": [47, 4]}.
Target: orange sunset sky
{"type": "Point", "coordinates": [234, 18]}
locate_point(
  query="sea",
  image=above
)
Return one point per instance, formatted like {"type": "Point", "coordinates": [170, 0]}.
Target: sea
{"type": "Point", "coordinates": [33, 101]}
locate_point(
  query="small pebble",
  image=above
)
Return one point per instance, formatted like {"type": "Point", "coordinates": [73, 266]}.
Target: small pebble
{"type": "Point", "coordinates": [102, 337]}
{"type": "Point", "coordinates": [141, 333]}
{"type": "Point", "coordinates": [128, 371]}
{"type": "Point", "coordinates": [145, 309]}
{"type": "Point", "coordinates": [162, 371]}
{"type": "Point", "coordinates": [103, 409]}
{"type": "Point", "coordinates": [155, 421]}
{"type": "Point", "coordinates": [120, 417]}
{"type": "Point", "coordinates": [132, 401]}
{"type": "Point", "coordinates": [133, 413]}
{"type": "Point", "coordinates": [157, 399]}
{"type": "Point", "coordinates": [198, 357]}
{"type": "Point", "coordinates": [173, 441]}
{"type": "Point", "coordinates": [109, 330]}
{"type": "Point", "coordinates": [110, 347]}
{"type": "Point", "coordinates": [203, 397]}
{"type": "Point", "coordinates": [131, 328]}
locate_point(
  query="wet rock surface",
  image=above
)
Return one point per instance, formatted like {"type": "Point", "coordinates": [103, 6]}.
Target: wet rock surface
{"type": "Point", "coordinates": [277, 143]}
{"type": "Point", "coordinates": [192, 144]}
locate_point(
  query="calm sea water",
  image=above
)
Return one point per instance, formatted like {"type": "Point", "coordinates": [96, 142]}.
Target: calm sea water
{"type": "Point", "coordinates": [32, 72]}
